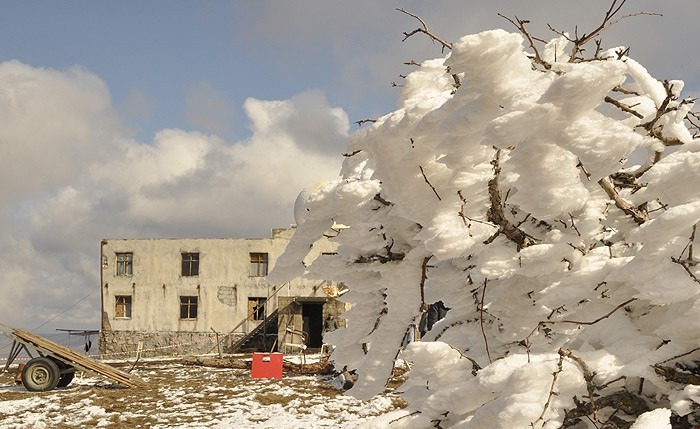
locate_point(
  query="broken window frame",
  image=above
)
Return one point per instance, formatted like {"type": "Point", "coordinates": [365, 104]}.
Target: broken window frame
{"type": "Point", "coordinates": [124, 264]}
{"type": "Point", "coordinates": [122, 306]}
{"type": "Point", "coordinates": [256, 308]}
{"type": "Point", "coordinates": [259, 263]}
{"type": "Point", "coordinates": [190, 264]}
{"type": "Point", "coordinates": [189, 307]}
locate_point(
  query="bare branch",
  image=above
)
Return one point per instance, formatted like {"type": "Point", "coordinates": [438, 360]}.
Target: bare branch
{"type": "Point", "coordinates": [583, 168]}
{"type": "Point", "coordinates": [573, 322]}
{"type": "Point", "coordinates": [686, 267]}
{"type": "Point", "coordinates": [520, 25]}
{"type": "Point", "coordinates": [466, 218]}
{"type": "Point", "coordinates": [361, 122]}
{"type": "Point", "coordinates": [429, 184]}
{"type": "Point", "coordinates": [424, 30]}
{"type": "Point", "coordinates": [423, 278]}
{"type": "Point", "coordinates": [679, 356]}
{"type": "Point", "coordinates": [639, 216]}
{"type": "Point", "coordinates": [475, 365]}
{"type": "Point", "coordinates": [623, 90]}
{"type": "Point", "coordinates": [573, 224]}
{"type": "Point", "coordinates": [481, 320]}
{"type": "Point", "coordinates": [496, 215]}
{"type": "Point", "coordinates": [384, 202]}
{"type": "Point", "coordinates": [623, 107]}
{"type": "Point", "coordinates": [588, 376]}
{"type": "Point", "coordinates": [555, 375]}
{"type": "Point", "coordinates": [664, 108]}
{"type": "Point", "coordinates": [692, 240]}
{"type": "Point", "coordinates": [608, 22]}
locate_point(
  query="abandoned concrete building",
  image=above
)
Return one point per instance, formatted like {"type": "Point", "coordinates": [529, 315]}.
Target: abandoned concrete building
{"type": "Point", "coordinates": [174, 296]}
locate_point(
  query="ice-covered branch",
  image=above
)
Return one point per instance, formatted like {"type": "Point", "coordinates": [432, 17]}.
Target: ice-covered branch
{"type": "Point", "coordinates": [550, 235]}
{"type": "Point", "coordinates": [520, 25]}
{"type": "Point", "coordinates": [639, 216]}
{"type": "Point", "coordinates": [543, 323]}
{"type": "Point", "coordinates": [496, 213]}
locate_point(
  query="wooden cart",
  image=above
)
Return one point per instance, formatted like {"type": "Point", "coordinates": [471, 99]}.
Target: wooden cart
{"type": "Point", "coordinates": [56, 364]}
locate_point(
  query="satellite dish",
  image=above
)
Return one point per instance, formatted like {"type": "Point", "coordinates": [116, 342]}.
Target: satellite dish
{"type": "Point", "coordinates": [300, 203]}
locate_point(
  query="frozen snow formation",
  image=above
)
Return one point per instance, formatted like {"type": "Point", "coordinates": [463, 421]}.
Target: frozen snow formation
{"type": "Point", "coordinates": [551, 205]}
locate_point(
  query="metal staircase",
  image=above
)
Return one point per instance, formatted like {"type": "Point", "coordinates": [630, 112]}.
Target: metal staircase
{"type": "Point", "coordinates": [267, 326]}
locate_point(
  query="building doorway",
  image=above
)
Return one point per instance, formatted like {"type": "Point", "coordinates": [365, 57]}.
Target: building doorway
{"type": "Point", "coordinates": [312, 315]}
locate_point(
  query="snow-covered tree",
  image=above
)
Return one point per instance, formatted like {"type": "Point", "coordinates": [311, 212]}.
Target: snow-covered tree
{"type": "Point", "coordinates": [550, 200]}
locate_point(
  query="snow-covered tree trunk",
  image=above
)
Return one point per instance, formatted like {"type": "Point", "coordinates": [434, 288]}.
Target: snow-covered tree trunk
{"type": "Point", "coordinates": [551, 202]}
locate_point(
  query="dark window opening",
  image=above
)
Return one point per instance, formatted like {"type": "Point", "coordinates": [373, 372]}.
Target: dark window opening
{"type": "Point", "coordinates": [190, 264]}
{"type": "Point", "coordinates": [188, 307]}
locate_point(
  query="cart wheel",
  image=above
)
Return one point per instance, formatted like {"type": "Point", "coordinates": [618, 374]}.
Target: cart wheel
{"type": "Point", "coordinates": [66, 378]}
{"type": "Point", "coordinates": [67, 372]}
{"type": "Point", "coordinates": [40, 374]}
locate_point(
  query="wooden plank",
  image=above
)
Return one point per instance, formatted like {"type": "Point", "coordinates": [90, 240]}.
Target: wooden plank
{"type": "Point", "coordinates": [72, 358]}
{"type": "Point", "coordinates": [75, 359]}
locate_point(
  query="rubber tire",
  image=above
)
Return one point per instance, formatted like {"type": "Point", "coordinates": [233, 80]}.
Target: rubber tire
{"type": "Point", "coordinates": [66, 378]}
{"type": "Point", "coordinates": [67, 373]}
{"type": "Point", "coordinates": [40, 374]}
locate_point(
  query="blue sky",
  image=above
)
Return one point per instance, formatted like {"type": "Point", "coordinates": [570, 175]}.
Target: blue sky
{"type": "Point", "coordinates": [153, 55]}
{"type": "Point", "coordinates": [206, 118]}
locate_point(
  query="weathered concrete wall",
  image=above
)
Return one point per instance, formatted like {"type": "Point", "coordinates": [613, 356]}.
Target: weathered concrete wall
{"type": "Point", "coordinates": [124, 344]}
{"type": "Point", "coordinates": [222, 287]}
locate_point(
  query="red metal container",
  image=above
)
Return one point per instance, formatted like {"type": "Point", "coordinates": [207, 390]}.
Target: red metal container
{"type": "Point", "coordinates": [267, 365]}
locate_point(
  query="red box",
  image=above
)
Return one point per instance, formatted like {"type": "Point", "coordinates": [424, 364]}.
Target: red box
{"type": "Point", "coordinates": [266, 365]}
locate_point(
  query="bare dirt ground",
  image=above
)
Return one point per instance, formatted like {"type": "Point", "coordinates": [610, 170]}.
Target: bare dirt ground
{"type": "Point", "coordinates": [190, 396]}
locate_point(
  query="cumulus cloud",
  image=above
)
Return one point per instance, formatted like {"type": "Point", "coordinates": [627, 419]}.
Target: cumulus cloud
{"type": "Point", "coordinates": [48, 127]}
{"type": "Point", "coordinates": [78, 179]}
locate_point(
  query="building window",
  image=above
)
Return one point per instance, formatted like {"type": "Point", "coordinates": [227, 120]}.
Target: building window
{"type": "Point", "coordinates": [256, 308]}
{"type": "Point", "coordinates": [122, 307]}
{"type": "Point", "coordinates": [258, 264]}
{"type": "Point", "coordinates": [125, 263]}
{"type": "Point", "coordinates": [188, 307]}
{"type": "Point", "coordinates": [190, 264]}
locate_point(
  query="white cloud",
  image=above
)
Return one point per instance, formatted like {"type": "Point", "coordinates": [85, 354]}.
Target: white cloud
{"type": "Point", "coordinates": [79, 180]}
{"type": "Point", "coordinates": [51, 124]}
{"type": "Point", "coordinates": [306, 120]}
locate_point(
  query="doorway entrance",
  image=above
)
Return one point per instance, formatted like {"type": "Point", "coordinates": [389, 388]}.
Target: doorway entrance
{"type": "Point", "coordinates": [312, 315]}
